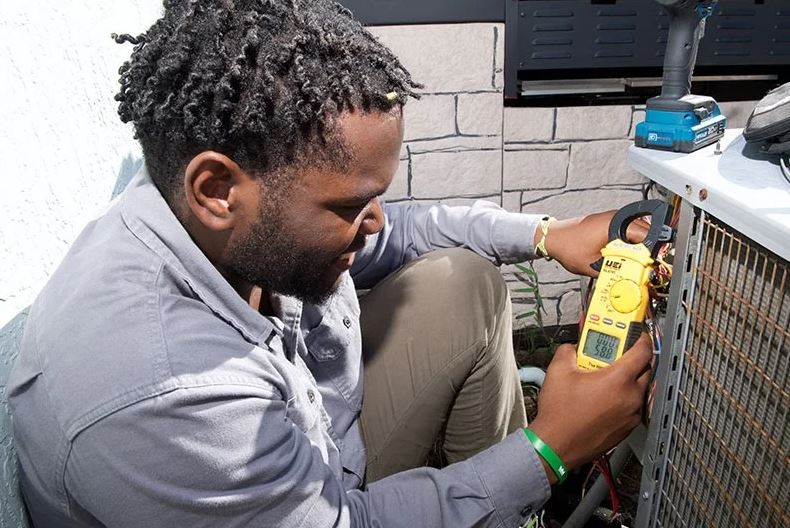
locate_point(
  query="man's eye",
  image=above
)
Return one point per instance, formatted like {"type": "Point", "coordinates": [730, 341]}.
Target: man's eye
{"type": "Point", "coordinates": [355, 207]}
{"type": "Point", "coordinates": [349, 211]}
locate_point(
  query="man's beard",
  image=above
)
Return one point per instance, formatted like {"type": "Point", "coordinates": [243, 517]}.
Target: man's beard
{"type": "Point", "coordinates": [268, 257]}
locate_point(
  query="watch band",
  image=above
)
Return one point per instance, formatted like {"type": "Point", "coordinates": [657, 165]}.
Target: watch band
{"type": "Point", "coordinates": [540, 248]}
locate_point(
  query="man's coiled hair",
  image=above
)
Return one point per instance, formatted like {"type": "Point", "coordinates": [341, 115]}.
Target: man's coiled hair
{"type": "Point", "coordinates": [261, 81]}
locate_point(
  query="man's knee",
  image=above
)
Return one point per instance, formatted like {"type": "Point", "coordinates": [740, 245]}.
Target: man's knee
{"type": "Point", "coordinates": [472, 276]}
{"type": "Point", "coordinates": [466, 288]}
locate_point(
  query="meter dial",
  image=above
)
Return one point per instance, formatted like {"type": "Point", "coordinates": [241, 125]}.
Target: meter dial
{"type": "Point", "coordinates": [625, 296]}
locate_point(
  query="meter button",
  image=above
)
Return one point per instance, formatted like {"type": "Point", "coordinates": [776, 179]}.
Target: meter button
{"type": "Point", "coordinates": [595, 317]}
{"type": "Point", "coordinates": [607, 321]}
{"type": "Point", "coordinates": [621, 326]}
{"type": "Point", "coordinates": [625, 296]}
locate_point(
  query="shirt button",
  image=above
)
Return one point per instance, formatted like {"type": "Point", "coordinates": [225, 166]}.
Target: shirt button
{"type": "Point", "coordinates": [311, 396]}
{"type": "Point", "coordinates": [347, 322]}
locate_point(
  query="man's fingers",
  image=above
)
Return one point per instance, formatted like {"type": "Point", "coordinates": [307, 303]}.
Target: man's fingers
{"type": "Point", "coordinates": [644, 379]}
{"type": "Point", "coordinates": [592, 272]}
{"type": "Point", "coordinates": [637, 359]}
{"type": "Point", "coordinates": [637, 231]}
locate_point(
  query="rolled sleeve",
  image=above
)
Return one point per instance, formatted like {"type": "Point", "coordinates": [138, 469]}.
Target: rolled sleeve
{"type": "Point", "coordinates": [513, 236]}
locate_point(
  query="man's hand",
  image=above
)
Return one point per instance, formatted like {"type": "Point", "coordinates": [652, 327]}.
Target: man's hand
{"type": "Point", "coordinates": [583, 414]}
{"type": "Point", "coordinates": [577, 242]}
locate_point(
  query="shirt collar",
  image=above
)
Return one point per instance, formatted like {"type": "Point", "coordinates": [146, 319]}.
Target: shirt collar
{"type": "Point", "coordinates": [148, 216]}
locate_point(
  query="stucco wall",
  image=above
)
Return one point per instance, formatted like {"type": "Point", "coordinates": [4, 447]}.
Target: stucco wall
{"type": "Point", "coordinates": [61, 142]}
{"type": "Point", "coordinates": [63, 150]}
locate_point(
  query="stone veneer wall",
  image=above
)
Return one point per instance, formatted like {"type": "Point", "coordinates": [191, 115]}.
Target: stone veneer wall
{"type": "Point", "coordinates": [67, 153]}
{"type": "Point", "coordinates": [462, 144]}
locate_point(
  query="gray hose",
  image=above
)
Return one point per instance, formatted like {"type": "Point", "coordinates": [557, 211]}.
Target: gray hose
{"type": "Point", "coordinates": [593, 498]}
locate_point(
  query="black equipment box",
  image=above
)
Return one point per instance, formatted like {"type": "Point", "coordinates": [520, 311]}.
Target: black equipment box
{"type": "Point", "coordinates": [585, 39]}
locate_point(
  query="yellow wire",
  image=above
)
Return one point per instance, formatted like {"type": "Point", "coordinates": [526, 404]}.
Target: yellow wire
{"type": "Point", "coordinates": [665, 264]}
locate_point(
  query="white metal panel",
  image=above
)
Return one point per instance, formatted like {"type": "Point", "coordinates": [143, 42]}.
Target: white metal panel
{"type": "Point", "coordinates": [740, 186]}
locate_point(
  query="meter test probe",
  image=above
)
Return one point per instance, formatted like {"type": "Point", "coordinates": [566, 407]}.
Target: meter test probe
{"type": "Point", "coordinates": [615, 317]}
{"type": "Point", "coordinates": [676, 120]}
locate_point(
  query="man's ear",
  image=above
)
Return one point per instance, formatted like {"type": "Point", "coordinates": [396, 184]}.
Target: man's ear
{"type": "Point", "coordinates": [213, 185]}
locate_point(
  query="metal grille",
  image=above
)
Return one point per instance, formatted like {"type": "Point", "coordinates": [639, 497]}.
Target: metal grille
{"type": "Point", "coordinates": [727, 460]}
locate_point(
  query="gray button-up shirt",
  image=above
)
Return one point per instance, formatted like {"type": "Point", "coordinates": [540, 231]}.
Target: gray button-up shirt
{"type": "Point", "coordinates": [148, 393]}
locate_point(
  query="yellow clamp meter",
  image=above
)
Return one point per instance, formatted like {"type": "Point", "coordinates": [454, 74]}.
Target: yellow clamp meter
{"type": "Point", "coordinates": [616, 315]}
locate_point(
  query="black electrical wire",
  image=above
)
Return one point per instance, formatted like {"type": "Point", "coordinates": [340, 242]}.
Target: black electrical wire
{"type": "Point", "coordinates": [784, 164]}
{"type": "Point", "coordinates": [646, 190]}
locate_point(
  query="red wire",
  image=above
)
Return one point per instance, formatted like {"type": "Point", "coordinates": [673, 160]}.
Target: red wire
{"type": "Point", "coordinates": [613, 490]}
{"type": "Point", "coordinates": [602, 464]}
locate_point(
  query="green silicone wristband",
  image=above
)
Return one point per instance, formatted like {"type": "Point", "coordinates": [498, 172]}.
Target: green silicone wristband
{"type": "Point", "coordinates": [552, 459]}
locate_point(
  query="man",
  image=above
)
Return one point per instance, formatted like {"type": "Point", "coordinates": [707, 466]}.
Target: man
{"type": "Point", "coordinates": [197, 358]}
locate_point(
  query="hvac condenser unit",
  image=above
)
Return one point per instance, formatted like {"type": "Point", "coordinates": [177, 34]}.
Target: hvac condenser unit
{"type": "Point", "coordinates": [717, 452]}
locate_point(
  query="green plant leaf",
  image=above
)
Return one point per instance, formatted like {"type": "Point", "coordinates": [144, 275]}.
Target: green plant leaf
{"type": "Point", "coordinates": [523, 268]}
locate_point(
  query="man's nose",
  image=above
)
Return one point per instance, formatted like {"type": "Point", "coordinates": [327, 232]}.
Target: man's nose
{"type": "Point", "coordinates": [374, 219]}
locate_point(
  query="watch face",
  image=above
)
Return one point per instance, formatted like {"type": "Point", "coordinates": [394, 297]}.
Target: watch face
{"type": "Point", "coordinates": [600, 346]}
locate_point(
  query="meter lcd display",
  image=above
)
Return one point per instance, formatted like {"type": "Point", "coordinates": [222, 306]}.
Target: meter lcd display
{"type": "Point", "coordinates": [601, 346]}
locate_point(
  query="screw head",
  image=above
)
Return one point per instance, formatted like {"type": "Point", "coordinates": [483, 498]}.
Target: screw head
{"type": "Point", "coordinates": [703, 195]}
{"type": "Point", "coordinates": [645, 496]}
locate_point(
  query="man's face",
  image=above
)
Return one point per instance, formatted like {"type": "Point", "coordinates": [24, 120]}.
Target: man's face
{"type": "Point", "coordinates": [305, 238]}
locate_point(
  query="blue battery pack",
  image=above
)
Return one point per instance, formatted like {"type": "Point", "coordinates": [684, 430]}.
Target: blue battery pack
{"type": "Point", "coordinates": [680, 131]}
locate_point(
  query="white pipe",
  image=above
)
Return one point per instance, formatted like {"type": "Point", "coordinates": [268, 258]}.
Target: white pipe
{"type": "Point", "coordinates": [532, 375]}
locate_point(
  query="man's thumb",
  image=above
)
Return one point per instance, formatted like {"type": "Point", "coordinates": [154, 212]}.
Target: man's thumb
{"type": "Point", "coordinates": [565, 354]}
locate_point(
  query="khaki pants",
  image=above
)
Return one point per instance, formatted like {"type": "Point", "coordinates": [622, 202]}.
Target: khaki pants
{"type": "Point", "coordinates": [440, 374]}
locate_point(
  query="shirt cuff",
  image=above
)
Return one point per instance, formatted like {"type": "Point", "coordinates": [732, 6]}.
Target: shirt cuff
{"type": "Point", "coordinates": [513, 236]}
{"type": "Point", "coordinates": [514, 477]}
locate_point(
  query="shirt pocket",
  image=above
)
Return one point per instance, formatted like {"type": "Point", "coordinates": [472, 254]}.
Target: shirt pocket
{"type": "Point", "coordinates": [335, 347]}
{"type": "Point", "coordinates": [353, 461]}
{"type": "Point", "coordinates": [337, 360]}
{"type": "Point", "coordinates": [302, 408]}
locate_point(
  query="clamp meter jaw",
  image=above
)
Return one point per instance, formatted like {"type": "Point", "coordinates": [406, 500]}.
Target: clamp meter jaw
{"type": "Point", "coordinates": [615, 317]}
